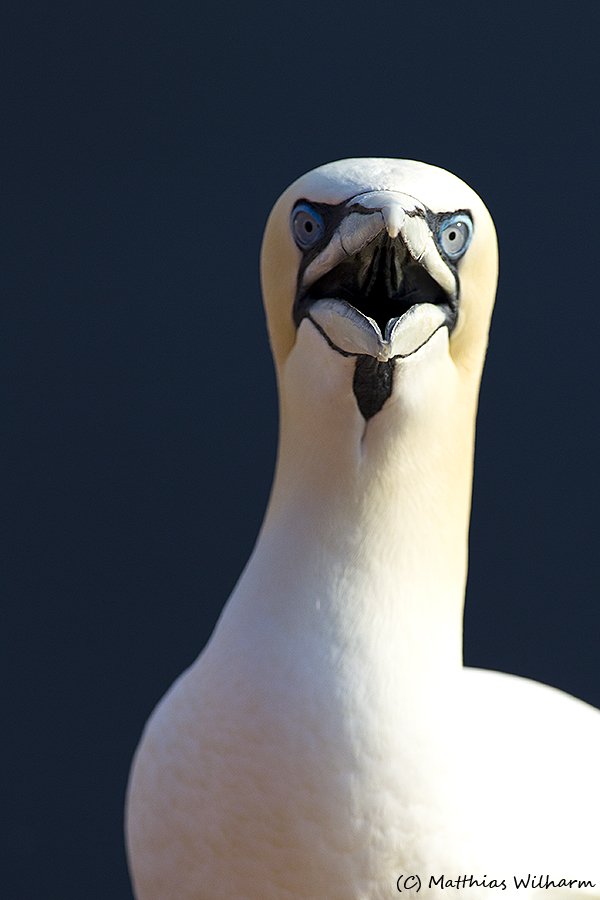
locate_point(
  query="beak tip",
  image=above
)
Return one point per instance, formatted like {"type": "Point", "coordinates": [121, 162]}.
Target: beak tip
{"type": "Point", "coordinates": [393, 216]}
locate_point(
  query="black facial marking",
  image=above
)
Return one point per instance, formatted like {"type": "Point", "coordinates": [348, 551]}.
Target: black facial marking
{"type": "Point", "coordinates": [372, 383]}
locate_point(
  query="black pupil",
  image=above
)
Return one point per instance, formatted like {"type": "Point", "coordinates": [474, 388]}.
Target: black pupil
{"type": "Point", "coordinates": [308, 226]}
{"type": "Point", "coordinates": [452, 235]}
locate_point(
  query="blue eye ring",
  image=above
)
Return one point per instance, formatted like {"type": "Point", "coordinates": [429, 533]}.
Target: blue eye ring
{"type": "Point", "coordinates": [307, 226]}
{"type": "Point", "coordinates": [454, 235]}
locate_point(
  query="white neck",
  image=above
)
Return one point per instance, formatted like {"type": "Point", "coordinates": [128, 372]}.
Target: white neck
{"type": "Point", "coordinates": [365, 538]}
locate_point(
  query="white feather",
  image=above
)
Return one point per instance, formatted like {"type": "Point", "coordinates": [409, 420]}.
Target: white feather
{"type": "Point", "coordinates": [328, 741]}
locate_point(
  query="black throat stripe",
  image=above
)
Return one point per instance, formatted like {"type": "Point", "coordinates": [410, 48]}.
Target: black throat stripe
{"type": "Point", "coordinates": [372, 383]}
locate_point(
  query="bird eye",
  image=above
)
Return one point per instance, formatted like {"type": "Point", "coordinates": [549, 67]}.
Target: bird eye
{"type": "Point", "coordinates": [307, 226]}
{"type": "Point", "coordinates": [454, 236]}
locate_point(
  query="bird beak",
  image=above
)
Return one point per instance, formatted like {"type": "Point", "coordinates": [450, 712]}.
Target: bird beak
{"type": "Point", "coordinates": [379, 286]}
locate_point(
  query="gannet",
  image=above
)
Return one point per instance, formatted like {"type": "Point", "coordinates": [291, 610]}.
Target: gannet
{"type": "Point", "coordinates": [328, 743]}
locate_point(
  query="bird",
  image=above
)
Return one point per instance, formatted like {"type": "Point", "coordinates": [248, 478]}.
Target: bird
{"type": "Point", "coordinates": [328, 743]}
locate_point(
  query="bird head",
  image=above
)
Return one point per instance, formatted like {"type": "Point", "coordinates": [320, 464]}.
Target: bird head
{"type": "Point", "coordinates": [379, 255]}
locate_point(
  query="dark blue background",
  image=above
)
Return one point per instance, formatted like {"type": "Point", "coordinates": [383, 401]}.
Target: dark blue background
{"type": "Point", "coordinates": [144, 144]}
